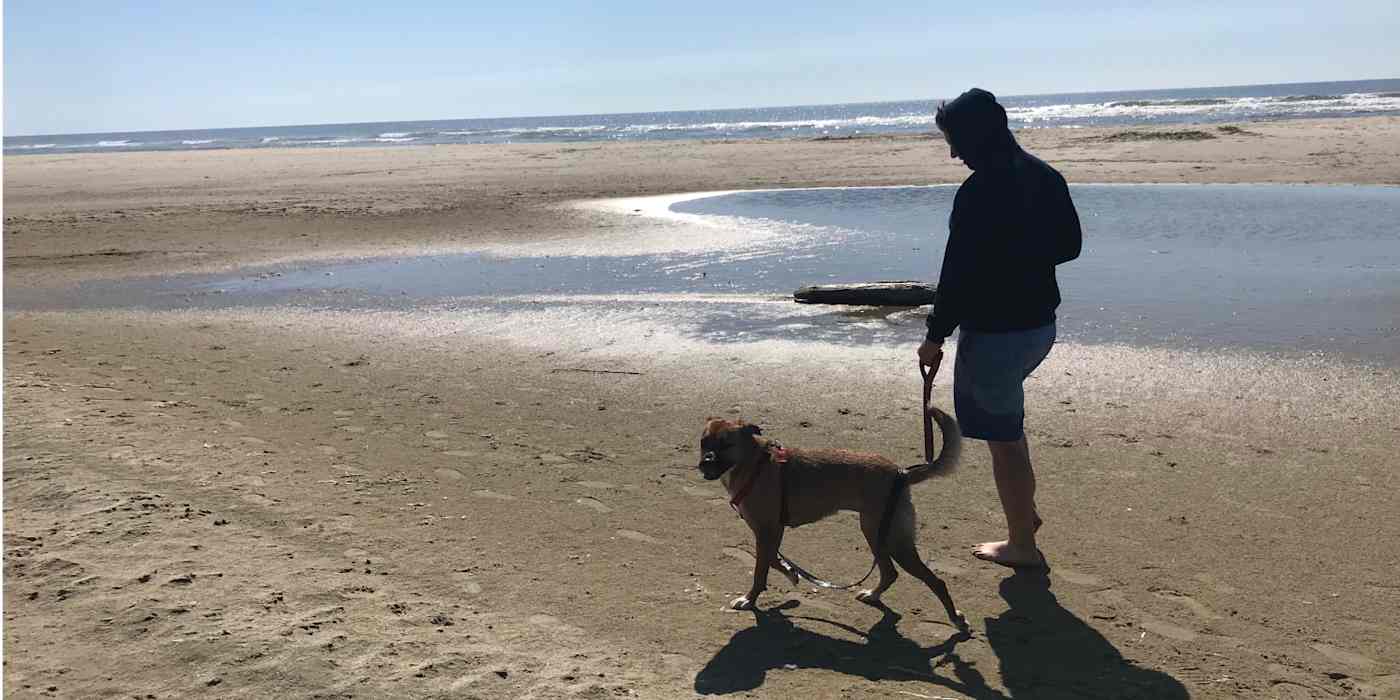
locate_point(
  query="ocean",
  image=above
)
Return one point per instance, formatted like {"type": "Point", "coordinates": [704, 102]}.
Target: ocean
{"type": "Point", "coordinates": [1125, 108]}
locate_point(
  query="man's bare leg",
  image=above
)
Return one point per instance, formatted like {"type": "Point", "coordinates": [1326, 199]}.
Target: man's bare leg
{"type": "Point", "coordinates": [1011, 466]}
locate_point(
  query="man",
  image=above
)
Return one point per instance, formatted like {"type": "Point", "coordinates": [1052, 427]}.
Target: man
{"type": "Point", "coordinates": [1012, 223]}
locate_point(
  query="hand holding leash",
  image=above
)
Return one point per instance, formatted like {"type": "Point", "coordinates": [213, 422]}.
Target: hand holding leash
{"type": "Point", "coordinates": [930, 356]}
{"type": "Point", "coordinates": [927, 370]}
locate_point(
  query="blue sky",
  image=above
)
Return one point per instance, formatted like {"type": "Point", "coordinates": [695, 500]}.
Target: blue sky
{"type": "Point", "coordinates": [74, 67]}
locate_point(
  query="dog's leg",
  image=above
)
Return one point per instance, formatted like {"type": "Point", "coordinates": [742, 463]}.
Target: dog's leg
{"type": "Point", "coordinates": [907, 554]}
{"type": "Point", "coordinates": [870, 525]}
{"type": "Point", "coordinates": [767, 541]}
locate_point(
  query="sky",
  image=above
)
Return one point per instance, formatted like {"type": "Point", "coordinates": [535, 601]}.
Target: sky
{"type": "Point", "coordinates": [86, 67]}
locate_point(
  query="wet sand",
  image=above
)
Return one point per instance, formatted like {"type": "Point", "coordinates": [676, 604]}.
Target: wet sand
{"type": "Point", "coordinates": [275, 503]}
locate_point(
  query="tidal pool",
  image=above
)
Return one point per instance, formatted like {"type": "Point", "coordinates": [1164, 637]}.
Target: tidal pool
{"type": "Point", "coordinates": [1288, 269]}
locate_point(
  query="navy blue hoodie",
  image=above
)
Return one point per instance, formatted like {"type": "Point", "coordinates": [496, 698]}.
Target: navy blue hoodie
{"type": "Point", "coordinates": [1013, 221]}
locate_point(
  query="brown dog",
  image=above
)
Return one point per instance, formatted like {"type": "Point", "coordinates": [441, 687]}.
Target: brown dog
{"type": "Point", "coordinates": [773, 488]}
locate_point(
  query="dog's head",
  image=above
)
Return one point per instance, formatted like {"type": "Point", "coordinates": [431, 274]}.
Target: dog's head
{"type": "Point", "coordinates": [726, 444]}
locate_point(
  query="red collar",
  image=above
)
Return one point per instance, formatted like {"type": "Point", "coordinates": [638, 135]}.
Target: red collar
{"type": "Point", "coordinates": [777, 455]}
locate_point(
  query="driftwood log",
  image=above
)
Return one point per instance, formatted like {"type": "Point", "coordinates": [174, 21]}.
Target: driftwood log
{"type": "Point", "coordinates": [906, 293]}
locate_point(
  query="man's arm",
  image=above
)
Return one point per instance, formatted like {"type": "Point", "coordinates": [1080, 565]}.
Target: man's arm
{"type": "Point", "coordinates": [946, 313]}
{"type": "Point", "coordinates": [1068, 238]}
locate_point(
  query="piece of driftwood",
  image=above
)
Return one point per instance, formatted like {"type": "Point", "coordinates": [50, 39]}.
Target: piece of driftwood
{"type": "Point", "coordinates": [905, 293]}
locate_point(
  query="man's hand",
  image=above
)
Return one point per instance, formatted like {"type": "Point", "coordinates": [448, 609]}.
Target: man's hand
{"type": "Point", "coordinates": [931, 355]}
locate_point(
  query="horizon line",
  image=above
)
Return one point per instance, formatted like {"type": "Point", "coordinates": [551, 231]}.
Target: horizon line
{"type": "Point", "coordinates": [679, 111]}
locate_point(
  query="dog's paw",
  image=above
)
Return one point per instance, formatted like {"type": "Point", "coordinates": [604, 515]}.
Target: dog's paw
{"type": "Point", "coordinates": [869, 597]}
{"type": "Point", "coordinates": [741, 603]}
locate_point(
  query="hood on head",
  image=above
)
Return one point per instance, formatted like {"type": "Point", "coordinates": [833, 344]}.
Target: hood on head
{"type": "Point", "coordinates": [976, 124]}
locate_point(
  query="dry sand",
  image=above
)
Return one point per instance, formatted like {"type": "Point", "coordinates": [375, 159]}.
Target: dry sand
{"type": "Point", "coordinates": [277, 503]}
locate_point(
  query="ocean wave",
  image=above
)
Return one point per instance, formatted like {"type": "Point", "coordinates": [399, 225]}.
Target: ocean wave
{"type": "Point", "coordinates": [197, 142]}
{"type": "Point", "coordinates": [1232, 108]}
{"type": "Point", "coordinates": [32, 146]}
{"type": "Point", "coordinates": [270, 139]}
{"type": "Point", "coordinates": [395, 134]}
{"type": "Point", "coordinates": [395, 139]}
{"type": "Point", "coordinates": [904, 121]}
{"type": "Point", "coordinates": [124, 143]}
{"type": "Point", "coordinates": [1191, 102]}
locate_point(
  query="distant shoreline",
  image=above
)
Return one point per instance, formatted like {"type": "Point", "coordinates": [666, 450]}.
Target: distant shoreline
{"type": "Point", "coordinates": [1130, 108]}
{"type": "Point", "coordinates": [70, 217]}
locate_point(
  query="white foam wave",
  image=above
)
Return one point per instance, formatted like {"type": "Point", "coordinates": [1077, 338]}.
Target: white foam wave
{"type": "Point", "coordinates": [395, 134]}
{"type": "Point", "coordinates": [102, 144]}
{"type": "Point", "coordinates": [395, 139]}
{"type": "Point", "coordinates": [270, 139]}
{"type": "Point", "coordinates": [32, 146]}
{"type": "Point", "coordinates": [197, 142]}
{"type": "Point", "coordinates": [1239, 107]}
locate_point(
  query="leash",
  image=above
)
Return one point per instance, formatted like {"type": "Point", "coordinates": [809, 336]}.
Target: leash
{"type": "Point", "coordinates": [901, 482]}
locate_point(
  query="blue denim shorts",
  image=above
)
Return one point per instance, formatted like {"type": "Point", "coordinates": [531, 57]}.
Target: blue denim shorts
{"type": "Point", "coordinates": [987, 377]}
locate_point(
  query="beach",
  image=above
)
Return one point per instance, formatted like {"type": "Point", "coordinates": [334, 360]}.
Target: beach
{"type": "Point", "coordinates": [344, 502]}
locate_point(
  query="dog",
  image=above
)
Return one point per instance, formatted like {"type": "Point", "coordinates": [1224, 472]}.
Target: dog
{"type": "Point", "coordinates": [774, 488]}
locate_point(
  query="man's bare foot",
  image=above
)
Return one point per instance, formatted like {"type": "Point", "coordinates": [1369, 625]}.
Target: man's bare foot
{"type": "Point", "coordinates": [1008, 554]}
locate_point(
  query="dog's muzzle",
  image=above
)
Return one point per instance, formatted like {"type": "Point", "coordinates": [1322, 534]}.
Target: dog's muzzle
{"type": "Point", "coordinates": [710, 466]}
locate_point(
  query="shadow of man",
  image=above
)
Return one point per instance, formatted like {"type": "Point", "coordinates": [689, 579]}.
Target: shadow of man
{"type": "Point", "coordinates": [883, 654]}
{"type": "Point", "coordinates": [1048, 652]}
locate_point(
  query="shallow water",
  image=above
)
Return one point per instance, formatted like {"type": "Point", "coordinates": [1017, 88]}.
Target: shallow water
{"type": "Point", "coordinates": [1279, 268]}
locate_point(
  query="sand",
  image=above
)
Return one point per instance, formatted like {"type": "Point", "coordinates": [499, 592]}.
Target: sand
{"type": "Point", "coordinates": [293, 503]}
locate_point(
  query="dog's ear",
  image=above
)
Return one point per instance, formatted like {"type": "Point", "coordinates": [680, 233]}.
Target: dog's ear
{"type": "Point", "coordinates": [751, 429]}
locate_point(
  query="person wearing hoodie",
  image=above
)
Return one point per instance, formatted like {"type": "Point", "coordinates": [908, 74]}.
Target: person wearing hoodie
{"type": "Point", "coordinates": [1013, 221]}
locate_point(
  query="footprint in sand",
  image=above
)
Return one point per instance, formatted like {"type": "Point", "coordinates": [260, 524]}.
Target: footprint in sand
{"type": "Point", "coordinates": [469, 584]}
{"type": "Point", "coordinates": [680, 665]}
{"type": "Point", "coordinates": [595, 484]}
{"type": "Point", "coordinates": [816, 604]}
{"type": "Point", "coordinates": [1167, 629]}
{"type": "Point", "coordinates": [1215, 583]}
{"type": "Point", "coordinates": [1077, 578]}
{"type": "Point", "coordinates": [459, 453]}
{"type": "Point", "coordinates": [741, 555]}
{"type": "Point", "coordinates": [593, 503]}
{"type": "Point", "coordinates": [435, 435]}
{"type": "Point", "coordinates": [946, 566]}
{"type": "Point", "coordinates": [553, 623]}
{"type": "Point", "coordinates": [1342, 656]}
{"type": "Point", "coordinates": [327, 450]}
{"type": "Point", "coordinates": [344, 412]}
{"type": "Point", "coordinates": [484, 493]}
{"type": "Point", "coordinates": [702, 492]}
{"type": "Point", "coordinates": [353, 428]}
{"type": "Point", "coordinates": [935, 629]}
{"type": "Point", "coordinates": [1189, 603]}
{"type": "Point", "coordinates": [448, 474]}
{"type": "Point", "coordinates": [637, 537]}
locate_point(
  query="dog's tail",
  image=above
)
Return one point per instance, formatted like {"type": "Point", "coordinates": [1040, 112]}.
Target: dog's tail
{"type": "Point", "coordinates": [947, 460]}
